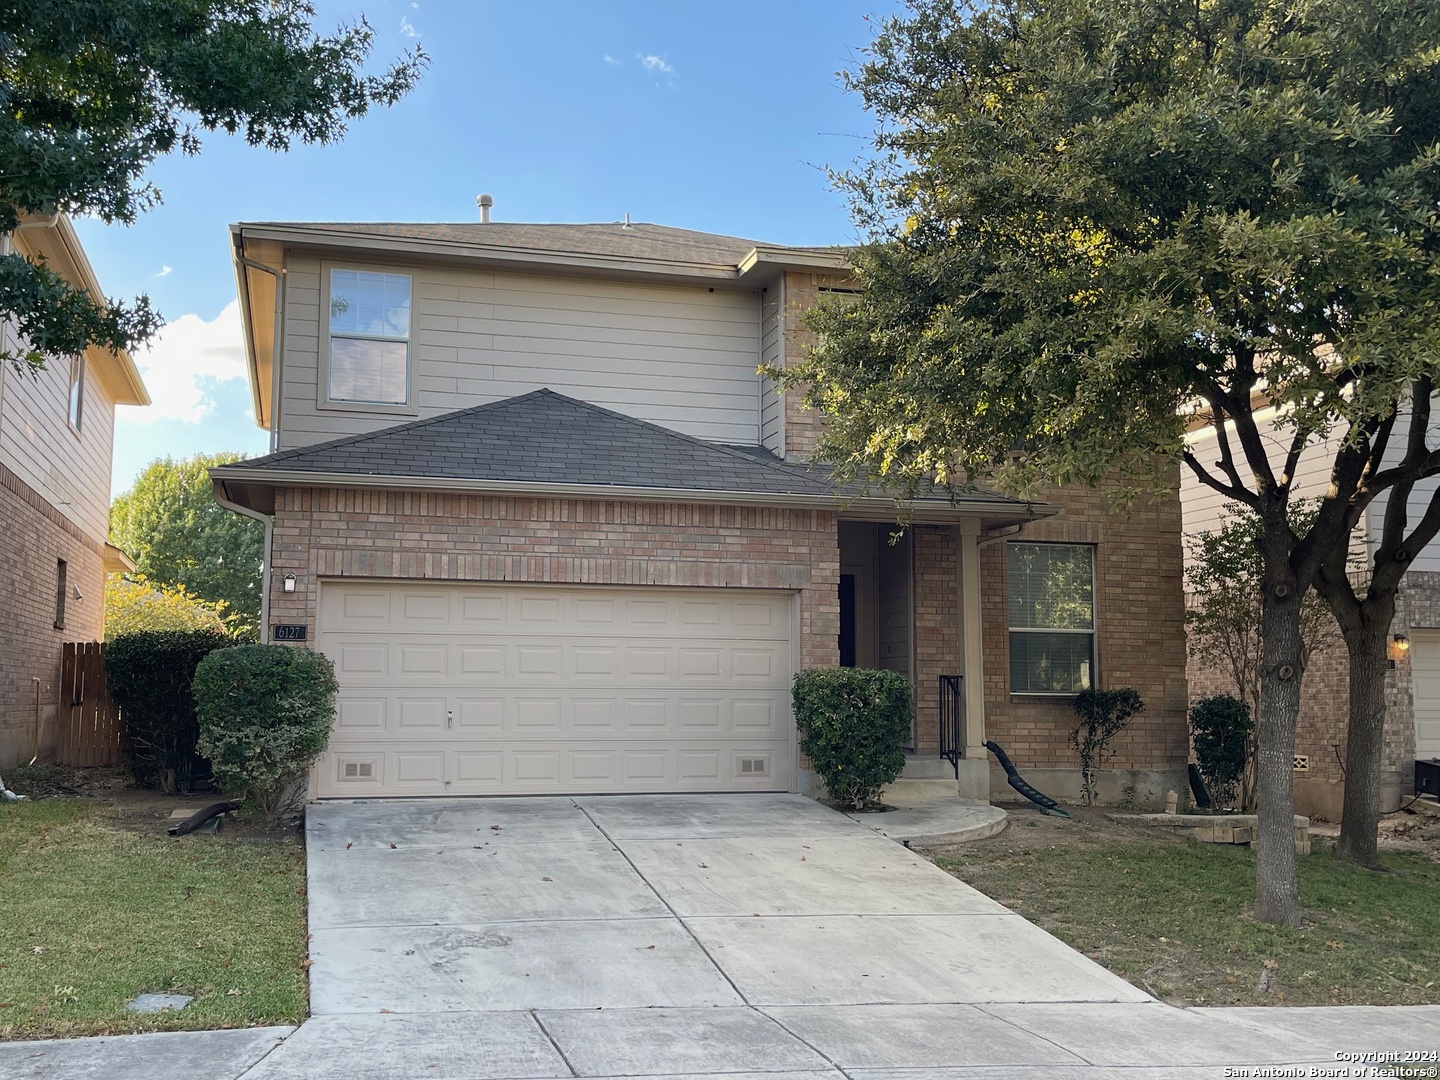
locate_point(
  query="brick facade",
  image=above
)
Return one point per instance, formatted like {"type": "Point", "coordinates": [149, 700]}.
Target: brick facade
{"type": "Point", "coordinates": [1140, 616]}
{"type": "Point", "coordinates": [1322, 730]}
{"type": "Point", "coordinates": [802, 426]}
{"type": "Point", "coordinates": [325, 533]}
{"type": "Point", "coordinates": [38, 536]}
{"type": "Point", "coordinates": [937, 632]}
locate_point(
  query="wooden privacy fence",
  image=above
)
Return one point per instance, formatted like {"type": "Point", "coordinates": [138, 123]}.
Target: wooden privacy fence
{"type": "Point", "coordinates": [89, 720]}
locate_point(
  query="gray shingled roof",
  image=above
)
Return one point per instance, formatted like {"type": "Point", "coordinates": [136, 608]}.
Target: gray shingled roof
{"type": "Point", "coordinates": [637, 240]}
{"type": "Point", "coordinates": [547, 438]}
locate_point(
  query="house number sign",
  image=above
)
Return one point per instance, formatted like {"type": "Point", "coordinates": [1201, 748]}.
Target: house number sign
{"type": "Point", "coordinates": [287, 632]}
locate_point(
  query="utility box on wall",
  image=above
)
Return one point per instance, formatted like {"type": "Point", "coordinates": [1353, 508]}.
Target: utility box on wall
{"type": "Point", "coordinates": [1427, 778]}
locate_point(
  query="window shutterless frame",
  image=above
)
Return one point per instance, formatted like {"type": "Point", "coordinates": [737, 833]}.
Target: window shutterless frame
{"type": "Point", "coordinates": [75, 402]}
{"type": "Point", "coordinates": [1091, 633]}
{"type": "Point", "coordinates": [367, 339]}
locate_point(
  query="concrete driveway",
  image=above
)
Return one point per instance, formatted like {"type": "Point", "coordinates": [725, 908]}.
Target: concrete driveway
{"type": "Point", "coordinates": [693, 936]}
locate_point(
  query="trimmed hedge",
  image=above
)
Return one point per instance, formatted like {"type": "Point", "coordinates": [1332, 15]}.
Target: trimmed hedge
{"type": "Point", "coordinates": [265, 716]}
{"type": "Point", "coordinates": [853, 723]}
{"type": "Point", "coordinates": [1220, 728]}
{"type": "Point", "coordinates": [149, 675]}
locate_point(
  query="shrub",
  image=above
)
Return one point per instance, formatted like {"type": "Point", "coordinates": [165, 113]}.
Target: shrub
{"type": "Point", "coordinates": [1103, 715]}
{"type": "Point", "coordinates": [134, 605]}
{"type": "Point", "coordinates": [265, 716]}
{"type": "Point", "coordinates": [1220, 728]}
{"type": "Point", "coordinates": [852, 724]}
{"type": "Point", "coordinates": [149, 675]}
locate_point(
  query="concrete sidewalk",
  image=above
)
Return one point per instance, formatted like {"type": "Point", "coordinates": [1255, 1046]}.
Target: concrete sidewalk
{"type": "Point", "coordinates": [861, 1042]}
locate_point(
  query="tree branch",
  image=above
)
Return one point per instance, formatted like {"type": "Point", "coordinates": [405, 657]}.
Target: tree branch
{"type": "Point", "coordinates": [1230, 491]}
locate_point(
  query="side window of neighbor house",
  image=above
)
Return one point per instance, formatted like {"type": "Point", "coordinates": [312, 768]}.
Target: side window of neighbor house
{"type": "Point", "coordinates": [61, 584]}
{"type": "Point", "coordinates": [369, 357]}
{"type": "Point", "coordinates": [77, 390]}
{"type": "Point", "coordinates": [1052, 618]}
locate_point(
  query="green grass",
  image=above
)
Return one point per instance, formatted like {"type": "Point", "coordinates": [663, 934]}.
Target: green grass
{"type": "Point", "coordinates": [1176, 919]}
{"type": "Point", "coordinates": [92, 914]}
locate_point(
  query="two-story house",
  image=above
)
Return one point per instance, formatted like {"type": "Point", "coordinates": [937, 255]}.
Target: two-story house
{"type": "Point", "coordinates": [1412, 691]}
{"type": "Point", "coordinates": [56, 435]}
{"type": "Point", "coordinates": [531, 495]}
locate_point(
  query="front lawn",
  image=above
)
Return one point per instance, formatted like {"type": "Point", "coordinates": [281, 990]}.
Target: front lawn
{"type": "Point", "coordinates": [93, 912]}
{"type": "Point", "coordinates": [1174, 916]}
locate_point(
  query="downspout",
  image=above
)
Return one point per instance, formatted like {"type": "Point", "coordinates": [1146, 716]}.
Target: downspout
{"type": "Point", "coordinates": [219, 491]}
{"type": "Point", "coordinates": [277, 349]}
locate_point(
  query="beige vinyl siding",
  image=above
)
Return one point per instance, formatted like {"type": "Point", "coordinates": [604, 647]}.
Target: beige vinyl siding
{"type": "Point", "coordinates": [1204, 507]}
{"type": "Point", "coordinates": [772, 351]}
{"type": "Point", "coordinates": [1428, 559]}
{"type": "Point", "coordinates": [678, 356]}
{"type": "Point", "coordinates": [70, 470]}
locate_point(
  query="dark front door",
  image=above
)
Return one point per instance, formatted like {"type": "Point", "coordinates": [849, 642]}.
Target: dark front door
{"type": "Point", "coordinates": [847, 620]}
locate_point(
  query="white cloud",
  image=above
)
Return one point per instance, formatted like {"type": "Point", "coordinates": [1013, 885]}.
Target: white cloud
{"type": "Point", "coordinates": [407, 27]}
{"type": "Point", "coordinates": [611, 60]}
{"type": "Point", "coordinates": [186, 357]}
{"type": "Point", "coordinates": [165, 270]}
{"type": "Point", "coordinates": [655, 64]}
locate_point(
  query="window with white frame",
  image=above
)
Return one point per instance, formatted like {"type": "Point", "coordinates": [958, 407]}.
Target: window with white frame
{"type": "Point", "coordinates": [1052, 617]}
{"type": "Point", "coordinates": [77, 391]}
{"type": "Point", "coordinates": [369, 352]}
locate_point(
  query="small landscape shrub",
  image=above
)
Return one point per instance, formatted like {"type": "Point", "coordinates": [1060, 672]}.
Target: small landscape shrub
{"type": "Point", "coordinates": [1103, 715]}
{"type": "Point", "coordinates": [149, 675]}
{"type": "Point", "coordinates": [853, 723]}
{"type": "Point", "coordinates": [265, 716]}
{"type": "Point", "coordinates": [1220, 728]}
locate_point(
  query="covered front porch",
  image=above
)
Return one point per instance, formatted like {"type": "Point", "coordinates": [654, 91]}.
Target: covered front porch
{"type": "Point", "coordinates": [912, 600]}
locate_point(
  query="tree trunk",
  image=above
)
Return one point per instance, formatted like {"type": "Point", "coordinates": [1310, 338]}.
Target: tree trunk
{"type": "Point", "coordinates": [1365, 641]}
{"type": "Point", "coordinates": [1277, 895]}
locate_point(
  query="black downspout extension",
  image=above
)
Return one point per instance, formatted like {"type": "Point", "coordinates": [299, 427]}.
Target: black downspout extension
{"type": "Point", "coordinates": [1046, 804]}
{"type": "Point", "coordinates": [200, 817]}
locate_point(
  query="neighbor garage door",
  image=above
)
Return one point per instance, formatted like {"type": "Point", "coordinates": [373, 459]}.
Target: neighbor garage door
{"type": "Point", "coordinates": [501, 689]}
{"type": "Point", "coordinates": [1425, 667]}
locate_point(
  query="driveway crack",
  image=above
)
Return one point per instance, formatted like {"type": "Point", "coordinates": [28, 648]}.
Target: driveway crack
{"type": "Point", "coordinates": [673, 913]}
{"type": "Point", "coordinates": [535, 1015]}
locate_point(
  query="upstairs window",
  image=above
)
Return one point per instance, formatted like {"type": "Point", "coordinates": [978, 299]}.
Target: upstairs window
{"type": "Point", "coordinates": [369, 355]}
{"type": "Point", "coordinates": [77, 390]}
{"type": "Point", "coordinates": [1052, 618]}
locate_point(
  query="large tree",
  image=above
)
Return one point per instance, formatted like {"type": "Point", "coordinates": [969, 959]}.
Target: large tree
{"type": "Point", "coordinates": [1089, 217]}
{"type": "Point", "coordinates": [178, 535]}
{"type": "Point", "coordinates": [92, 91]}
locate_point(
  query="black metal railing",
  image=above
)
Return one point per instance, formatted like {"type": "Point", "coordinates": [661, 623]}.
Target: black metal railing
{"type": "Point", "coordinates": [952, 719]}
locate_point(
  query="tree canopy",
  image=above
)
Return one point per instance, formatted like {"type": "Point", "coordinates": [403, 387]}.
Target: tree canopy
{"type": "Point", "coordinates": [135, 605]}
{"type": "Point", "coordinates": [1093, 222]}
{"type": "Point", "coordinates": [179, 536]}
{"type": "Point", "coordinates": [93, 91]}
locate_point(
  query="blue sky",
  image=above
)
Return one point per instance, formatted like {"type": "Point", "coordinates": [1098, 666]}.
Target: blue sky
{"type": "Point", "coordinates": [718, 117]}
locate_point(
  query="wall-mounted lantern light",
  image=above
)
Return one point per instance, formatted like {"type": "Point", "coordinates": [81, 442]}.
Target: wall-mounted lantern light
{"type": "Point", "coordinates": [288, 583]}
{"type": "Point", "coordinates": [1402, 643]}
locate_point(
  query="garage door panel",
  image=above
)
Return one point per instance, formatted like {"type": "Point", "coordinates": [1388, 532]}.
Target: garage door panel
{"type": "Point", "coordinates": [425, 660]}
{"type": "Point", "coordinates": [464, 689]}
{"type": "Point", "coordinates": [364, 713]}
{"type": "Point", "coordinates": [1425, 671]}
{"type": "Point", "coordinates": [420, 712]}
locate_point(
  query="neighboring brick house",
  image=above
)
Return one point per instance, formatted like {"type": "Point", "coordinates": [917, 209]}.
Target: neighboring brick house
{"type": "Point", "coordinates": [530, 494]}
{"type": "Point", "coordinates": [1412, 723]}
{"type": "Point", "coordinates": [56, 437]}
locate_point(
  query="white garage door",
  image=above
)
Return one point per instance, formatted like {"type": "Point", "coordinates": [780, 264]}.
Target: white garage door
{"type": "Point", "coordinates": [1425, 667]}
{"type": "Point", "coordinates": [502, 689]}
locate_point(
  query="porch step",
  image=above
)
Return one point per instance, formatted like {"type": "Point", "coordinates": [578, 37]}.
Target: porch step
{"type": "Point", "coordinates": [909, 790]}
{"type": "Point", "coordinates": [927, 767]}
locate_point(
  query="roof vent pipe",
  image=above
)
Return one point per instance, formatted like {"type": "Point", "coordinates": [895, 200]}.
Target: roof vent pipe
{"type": "Point", "coordinates": [485, 202]}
